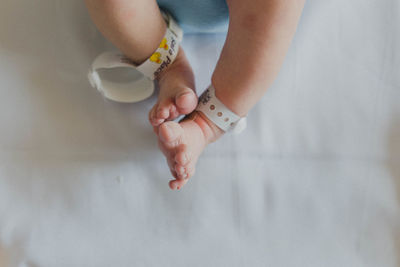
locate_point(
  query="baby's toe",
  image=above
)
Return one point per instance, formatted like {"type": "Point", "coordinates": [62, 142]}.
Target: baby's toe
{"type": "Point", "coordinates": [180, 171]}
{"type": "Point", "coordinates": [183, 156]}
{"type": "Point", "coordinates": [173, 112]}
{"type": "Point", "coordinates": [186, 101]}
{"type": "Point", "coordinates": [190, 171]}
{"type": "Point", "coordinates": [174, 174]}
{"type": "Point", "coordinates": [177, 184]}
{"type": "Point", "coordinates": [171, 166]}
{"type": "Point", "coordinates": [173, 184]}
{"type": "Point", "coordinates": [161, 112]}
{"type": "Point", "coordinates": [153, 117]}
{"type": "Point", "coordinates": [185, 171]}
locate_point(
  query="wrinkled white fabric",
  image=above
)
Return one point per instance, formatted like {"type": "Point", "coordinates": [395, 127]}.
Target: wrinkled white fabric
{"type": "Point", "coordinates": [313, 181]}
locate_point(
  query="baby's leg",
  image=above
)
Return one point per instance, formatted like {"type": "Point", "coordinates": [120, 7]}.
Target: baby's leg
{"type": "Point", "coordinates": [260, 32]}
{"type": "Point", "coordinates": [137, 27]}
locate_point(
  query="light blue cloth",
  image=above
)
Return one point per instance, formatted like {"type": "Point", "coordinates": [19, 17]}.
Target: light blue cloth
{"type": "Point", "coordinates": [196, 16]}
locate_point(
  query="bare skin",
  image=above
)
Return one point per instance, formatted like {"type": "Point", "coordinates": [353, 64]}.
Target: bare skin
{"type": "Point", "coordinates": [260, 33]}
{"type": "Point", "coordinates": [137, 27]}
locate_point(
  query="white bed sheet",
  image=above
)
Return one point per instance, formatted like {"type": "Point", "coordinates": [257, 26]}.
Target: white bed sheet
{"type": "Point", "coordinates": [314, 181]}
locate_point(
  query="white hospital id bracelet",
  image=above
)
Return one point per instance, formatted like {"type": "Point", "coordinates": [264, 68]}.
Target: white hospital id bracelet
{"type": "Point", "coordinates": [142, 86]}
{"type": "Point", "coordinates": [219, 114]}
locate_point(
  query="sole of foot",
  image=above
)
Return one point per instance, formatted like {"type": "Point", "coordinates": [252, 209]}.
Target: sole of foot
{"type": "Point", "coordinates": [182, 144]}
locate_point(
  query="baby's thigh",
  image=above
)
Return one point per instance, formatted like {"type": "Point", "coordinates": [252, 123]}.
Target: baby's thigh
{"type": "Point", "coordinates": [198, 15]}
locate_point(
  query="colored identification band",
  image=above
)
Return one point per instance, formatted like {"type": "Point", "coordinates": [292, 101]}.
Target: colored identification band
{"type": "Point", "coordinates": [166, 51]}
{"type": "Point", "coordinates": [218, 113]}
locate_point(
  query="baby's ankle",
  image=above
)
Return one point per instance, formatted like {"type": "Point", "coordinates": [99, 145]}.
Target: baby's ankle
{"type": "Point", "coordinates": [210, 131]}
{"type": "Point", "coordinates": [180, 63]}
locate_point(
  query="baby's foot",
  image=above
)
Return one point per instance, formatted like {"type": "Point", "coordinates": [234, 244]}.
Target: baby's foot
{"type": "Point", "coordinates": [177, 91]}
{"type": "Point", "coordinates": [182, 144]}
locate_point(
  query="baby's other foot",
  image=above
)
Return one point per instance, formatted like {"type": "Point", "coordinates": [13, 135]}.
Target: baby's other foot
{"type": "Point", "coordinates": [182, 143]}
{"type": "Point", "coordinates": [177, 91]}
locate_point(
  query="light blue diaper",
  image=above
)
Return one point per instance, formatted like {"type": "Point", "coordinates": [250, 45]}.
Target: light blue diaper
{"type": "Point", "coordinates": [198, 16]}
